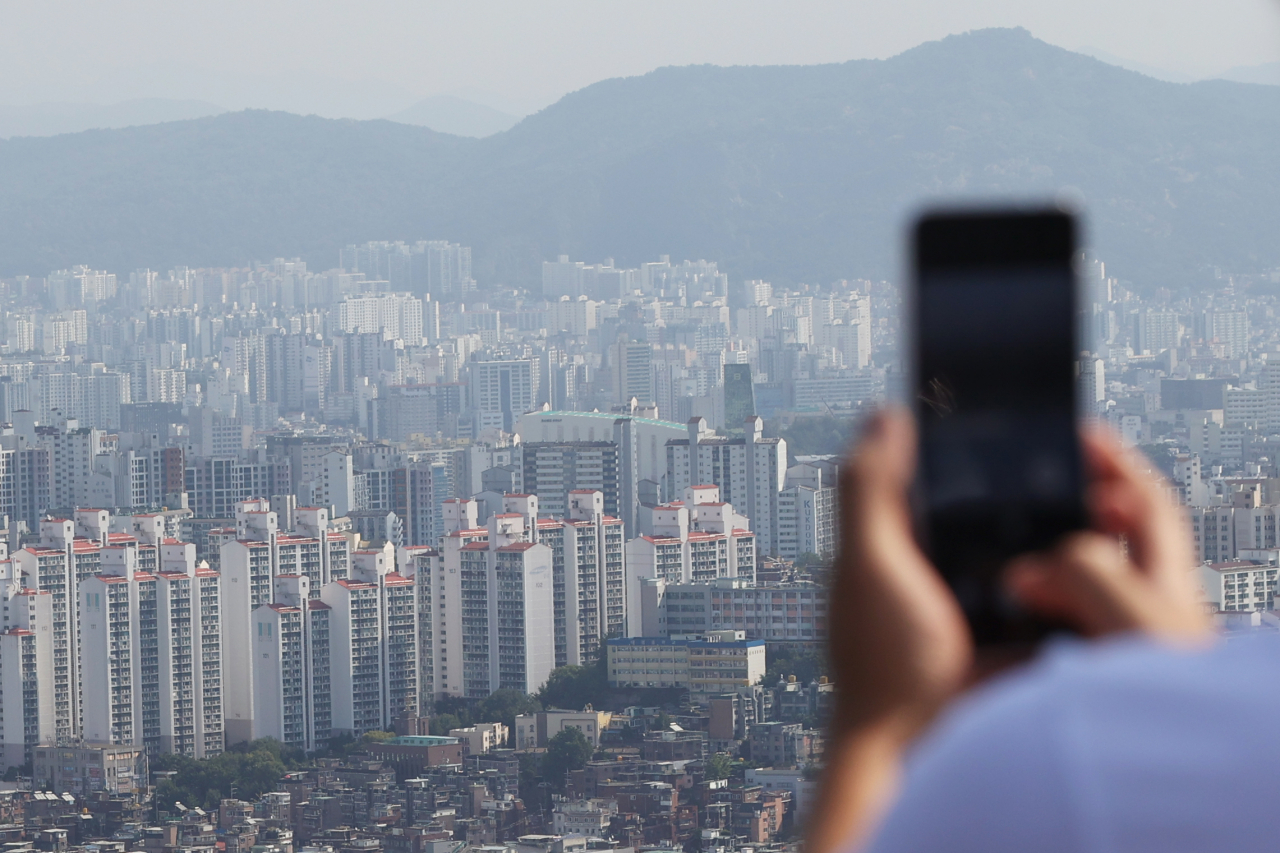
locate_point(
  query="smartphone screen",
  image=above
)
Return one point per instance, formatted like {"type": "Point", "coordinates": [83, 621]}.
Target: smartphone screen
{"type": "Point", "coordinates": [996, 349]}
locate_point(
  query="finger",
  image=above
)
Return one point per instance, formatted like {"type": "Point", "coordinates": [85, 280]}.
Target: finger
{"type": "Point", "coordinates": [1129, 501]}
{"type": "Point", "coordinates": [874, 481]}
{"type": "Point", "coordinates": [1084, 582]}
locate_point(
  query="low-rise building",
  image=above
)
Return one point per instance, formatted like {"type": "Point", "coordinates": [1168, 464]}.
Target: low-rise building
{"type": "Point", "coordinates": [713, 663]}
{"type": "Point", "coordinates": [536, 730]}
{"type": "Point", "coordinates": [792, 612]}
{"type": "Point", "coordinates": [1239, 584]}
{"type": "Point", "coordinates": [481, 738]}
{"type": "Point", "coordinates": [90, 768]}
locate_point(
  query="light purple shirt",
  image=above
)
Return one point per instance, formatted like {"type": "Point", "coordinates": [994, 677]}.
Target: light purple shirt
{"type": "Point", "coordinates": [1115, 746]}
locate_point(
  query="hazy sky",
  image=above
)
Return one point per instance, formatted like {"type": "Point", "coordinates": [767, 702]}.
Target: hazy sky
{"type": "Point", "coordinates": [375, 56]}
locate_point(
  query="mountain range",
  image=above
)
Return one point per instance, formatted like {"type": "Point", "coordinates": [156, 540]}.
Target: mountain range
{"type": "Point", "coordinates": [798, 173]}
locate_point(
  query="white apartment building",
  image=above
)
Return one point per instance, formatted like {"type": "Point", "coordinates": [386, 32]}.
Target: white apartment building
{"type": "Point", "coordinates": [250, 564]}
{"type": "Point", "coordinates": [806, 521]}
{"type": "Point", "coordinates": [58, 565]}
{"type": "Point", "coordinates": [72, 451]}
{"type": "Point", "coordinates": [151, 652]}
{"type": "Point", "coordinates": [1240, 584]}
{"type": "Point", "coordinates": [325, 657]}
{"type": "Point", "coordinates": [398, 316]}
{"type": "Point", "coordinates": [334, 483]}
{"type": "Point", "coordinates": [165, 385]}
{"type": "Point", "coordinates": [373, 641]}
{"type": "Point", "coordinates": [696, 541]}
{"type": "Point", "coordinates": [575, 316]}
{"type": "Point", "coordinates": [26, 667]}
{"type": "Point", "coordinates": [844, 325]}
{"type": "Point", "coordinates": [493, 602]}
{"type": "Point", "coordinates": [589, 575]}
{"type": "Point", "coordinates": [94, 399]}
{"type": "Point", "coordinates": [291, 667]}
{"type": "Point", "coordinates": [750, 472]}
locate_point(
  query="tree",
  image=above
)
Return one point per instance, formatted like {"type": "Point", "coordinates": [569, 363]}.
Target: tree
{"type": "Point", "coordinates": [662, 722]}
{"type": "Point", "coordinates": [442, 723]}
{"type": "Point", "coordinates": [568, 751]}
{"type": "Point", "coordinates": [503, 706]}
{"type": "Point", "coordinates": [252, 768]}
{"type": "Point", "coordinates": [574, 687]}
{"type": "Point", "coordinates": [805, 663]}
{"type": "Point", "coordinates": [718, 766]}
{"type": "Point", "coordinates": [455, 705]}
{"type": "Point", "coordinates": [820, 435]}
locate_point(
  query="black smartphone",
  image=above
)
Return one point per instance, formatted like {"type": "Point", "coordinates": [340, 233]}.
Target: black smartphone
{"type": "Point", "coordinates": [995, 326]}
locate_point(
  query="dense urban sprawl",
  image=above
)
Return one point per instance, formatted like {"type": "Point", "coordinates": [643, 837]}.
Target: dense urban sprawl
{"type": "Point", "coordinates": [375, 559]}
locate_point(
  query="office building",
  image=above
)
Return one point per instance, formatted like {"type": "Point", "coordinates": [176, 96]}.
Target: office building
{"type": "Point", "coordinates": [775, 612]}
{"type": "Point", "coordinates": [739, 396]}
{"type": "Point", "coordinates": [706, 665]}
{"type": "Point", "coordinates": [502, 391]}
{"type": "Point", "coordinates": [631, 370]}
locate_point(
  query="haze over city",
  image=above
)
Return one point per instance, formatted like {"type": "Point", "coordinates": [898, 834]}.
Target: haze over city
{"type": "Point", "coordinates": [377, 59]}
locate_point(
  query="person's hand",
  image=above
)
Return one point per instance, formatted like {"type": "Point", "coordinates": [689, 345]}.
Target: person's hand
{"type": "Point", "coordinates": [1100, 586]}
{"type": "Point", "coordinates": [900, 647]}
{"type": "Point", "coordinates": [899, 644]}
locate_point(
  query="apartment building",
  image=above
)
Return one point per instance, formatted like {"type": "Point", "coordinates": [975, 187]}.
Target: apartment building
{"type": "Point", "coordinates": [493, 603]}
{"type": "Point", "coordinates": [696, 541]}
{"type": "Point", "coordinates": [151, 652]}
{"type": "Point", "coordinates": [750, 472]}
{"type": "Point", "coordinates": [589, 576]}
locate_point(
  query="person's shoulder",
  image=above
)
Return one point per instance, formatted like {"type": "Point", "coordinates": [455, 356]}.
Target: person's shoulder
{"type": "Point", "coordinates": [1139, 664]}
{"type": "Point", "coordinates": [1112, 680]}
{"type": "Point", "coordinates": [1042, 757]}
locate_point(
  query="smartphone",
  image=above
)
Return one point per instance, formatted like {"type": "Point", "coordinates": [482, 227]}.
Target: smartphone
{"type": "Point", "coordinates": [996, 344]}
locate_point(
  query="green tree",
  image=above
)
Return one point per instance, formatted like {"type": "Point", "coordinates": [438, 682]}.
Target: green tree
{"type": "Point", "coordinates": [442, 723]}
{"type": "Point", "coordinates": [574, 687]}
{"type": "Point", "coordinates": [252, 768]}
{"type": "Point", "coordinates": [804, 662]}
{"type": "Point", "coordinates": [503, 706]}
{"type": "Point", "coordinates": [662, 722]}
{"type": "Point", "coordinates": [719, 766]}
{"type": "Point", "coordinates": [456, 705]}
{"type": "Point", "coordinates": [568, 751]}
{"type": "Point", "coordinates": [818, 435]}
{"type": "Point", "coordinates": [529, 782]}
